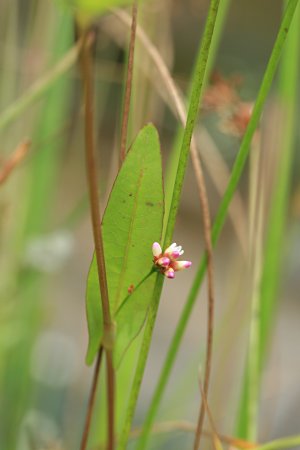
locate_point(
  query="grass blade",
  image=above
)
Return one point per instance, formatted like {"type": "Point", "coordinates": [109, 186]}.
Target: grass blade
{"type": "Point", "coordinates": [221, 215]}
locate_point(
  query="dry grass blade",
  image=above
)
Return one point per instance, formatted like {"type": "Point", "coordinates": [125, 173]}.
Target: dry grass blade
{"type": "Point", "coordinates": [14, 160]}
{"type": "Point", "coordinates": [185, 426]}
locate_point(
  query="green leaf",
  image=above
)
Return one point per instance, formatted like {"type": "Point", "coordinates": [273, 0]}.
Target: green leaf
{"type": "Point", "coordinates": [131, 316]}
{"type": "Point", "coordinates": [131, 223]}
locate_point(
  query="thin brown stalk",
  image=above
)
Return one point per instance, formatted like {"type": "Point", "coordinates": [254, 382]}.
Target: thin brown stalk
{"type": "Point", "coordinates": [128, 85]}
{"type": "Point", "coordinates": [110, 399]}
{"type": "Point", "coordinates": [210, 288]}
{"type": "Point", "coordinates": [215, 434]}
{"type": "Point", "coordinates": [14, 160]}
{"type": "Point", "coordinates": [91, 402]}
{"type": "Point", "coordinates": [86, 65]}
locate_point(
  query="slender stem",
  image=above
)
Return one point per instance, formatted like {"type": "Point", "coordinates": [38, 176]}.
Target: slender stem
{"type": "Point", "coordinates": [107, 341]}
{"type": "Point", "coordinates": [111, 399]}
{"type": "Point", "coordinates": [91, 402]}
{"type": "Point", "coordinates": [191, 119]}
{"type": "Point", "coordinates": [128, 86]}
{"type": "Point", "coordinates": [221, 215]}
{"type": "Point", "coordinates": [87, 76]}
{"type": "Point", "coordinates": [211, 299]}
{"type": "Point", "coordinates": [215, 434]}
{"type": "Point", "coordinates": [141, 364]}
{"type": "Point", "coordinates": [196, 95]}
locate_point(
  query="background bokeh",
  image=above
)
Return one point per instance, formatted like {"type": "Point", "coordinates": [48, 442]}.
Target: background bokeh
{"type": "Point", "coordinates": [46, 239]}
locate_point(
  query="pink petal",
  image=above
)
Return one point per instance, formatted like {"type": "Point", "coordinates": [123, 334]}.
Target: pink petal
{"type": "Point", "coordinates": [163, 261]}
{"type": "Point", "coordinates": [156, 249]}
{"type": "Point", "coordinates": [175, 254]}
{"type": "Point", "coordinates": [170, 273]}
{"type": "Point", "coordinates": [180, 265]}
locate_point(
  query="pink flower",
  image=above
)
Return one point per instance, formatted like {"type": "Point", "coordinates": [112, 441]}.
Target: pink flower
{"type": "Point", "coordinates": [166, 261]}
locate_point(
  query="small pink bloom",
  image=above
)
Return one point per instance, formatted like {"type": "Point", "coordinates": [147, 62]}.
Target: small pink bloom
{"type": "Point", "coordinates": [166, 261]}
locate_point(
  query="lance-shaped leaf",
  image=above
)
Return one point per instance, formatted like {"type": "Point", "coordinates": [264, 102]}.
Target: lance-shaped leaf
{"type": "Point", "coordinates": [132, 222]}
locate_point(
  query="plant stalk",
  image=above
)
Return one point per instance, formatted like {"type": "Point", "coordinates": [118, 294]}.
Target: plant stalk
{"type": "Point", "coordinates": [86, 65]}
{"type": "Point", "coordinates": [91, 402]}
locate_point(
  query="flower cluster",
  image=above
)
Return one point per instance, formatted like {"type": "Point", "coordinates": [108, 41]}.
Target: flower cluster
{"type": "Point", "coordinates": [166, 261]}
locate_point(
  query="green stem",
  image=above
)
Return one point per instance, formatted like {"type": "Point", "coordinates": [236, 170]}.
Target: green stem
{"type": "Point", "coordinates": [139, 372]}
{"type": "Point", "coordinates": [174, 159]}
{"type": "Point", "coordinates": [196, 94]}
{"type": "Point", "coordinates": [221, 215]}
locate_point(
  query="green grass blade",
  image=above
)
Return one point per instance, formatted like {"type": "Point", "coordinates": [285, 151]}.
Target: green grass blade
{"type": "Point", "coordinates": [174, 158]}
{"type": "Point", "coordinates": [288, 90]}
{"type": "Point", "coordinates": [222, 212]}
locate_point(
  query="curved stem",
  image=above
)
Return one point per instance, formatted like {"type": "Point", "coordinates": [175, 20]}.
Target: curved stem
{"type": "Point", "coordinates": [91, 402]}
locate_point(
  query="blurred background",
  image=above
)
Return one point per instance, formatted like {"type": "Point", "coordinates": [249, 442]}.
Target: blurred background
{"type": "Point", "coordinates": [45, 231]}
